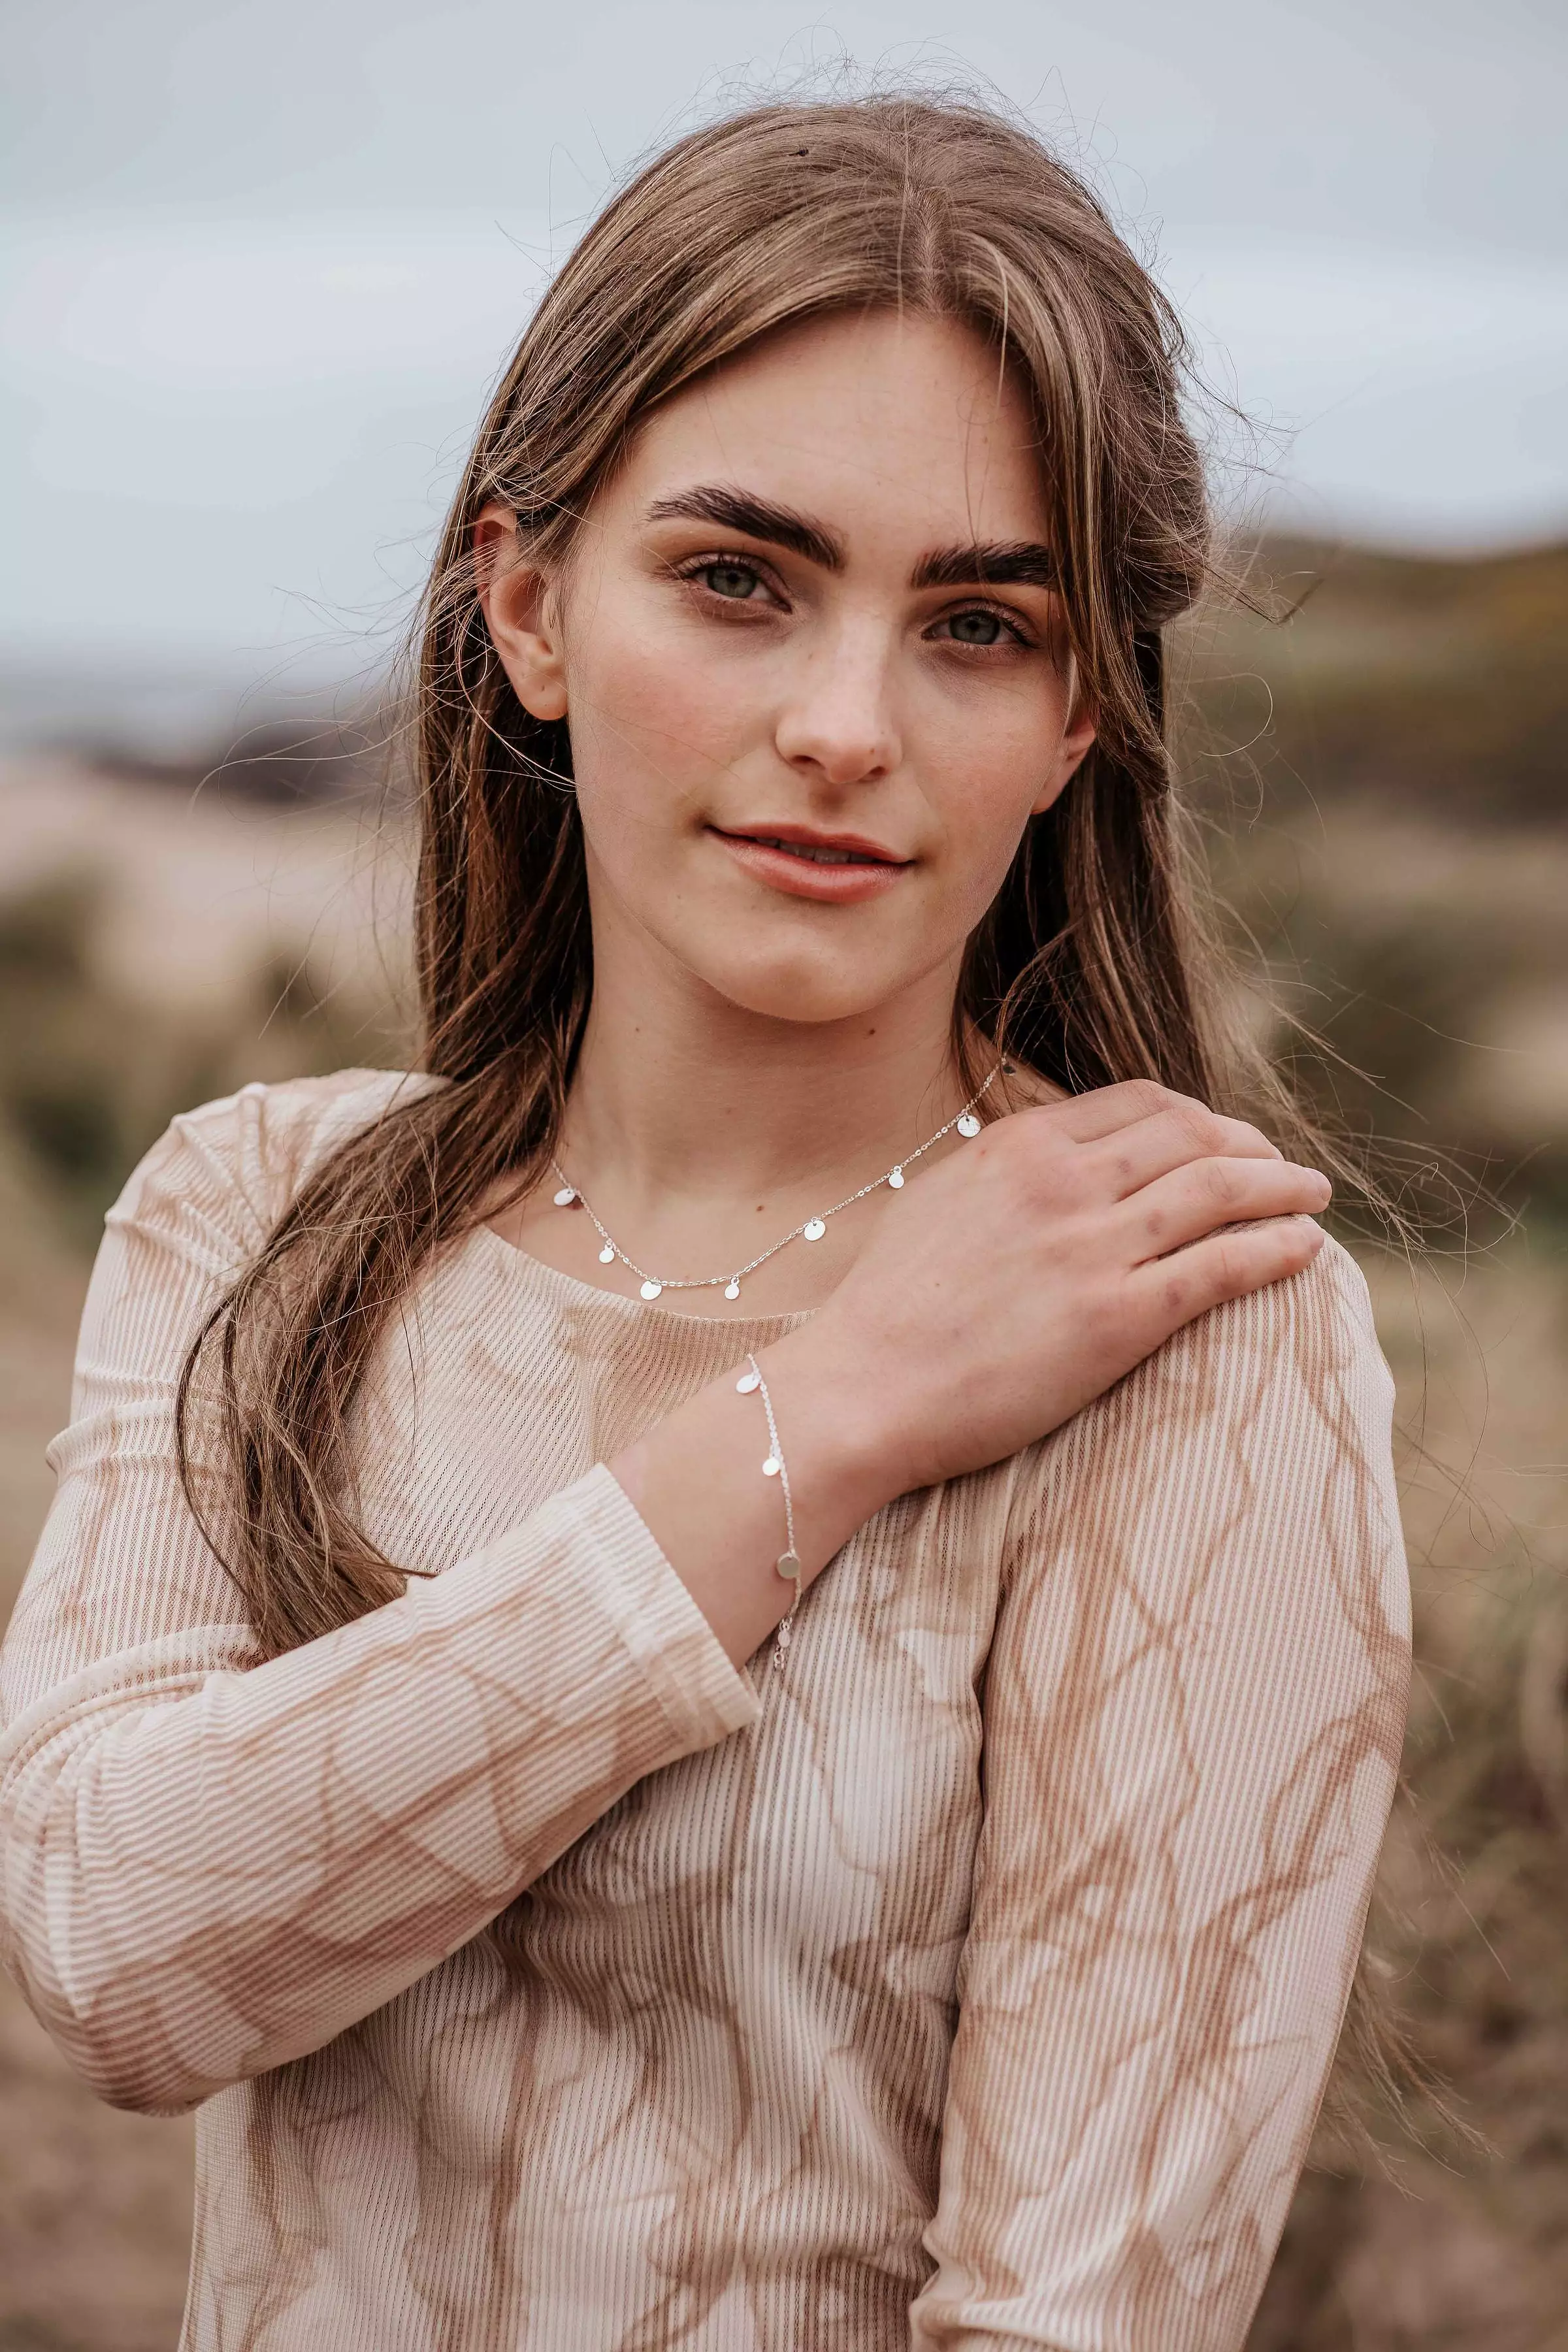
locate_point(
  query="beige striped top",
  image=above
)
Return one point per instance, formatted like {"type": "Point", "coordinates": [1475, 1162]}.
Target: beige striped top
{"type": "Point", "coordinates": [547, 1982]}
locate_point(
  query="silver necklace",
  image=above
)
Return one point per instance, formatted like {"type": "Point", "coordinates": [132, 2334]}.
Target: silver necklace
{"type": "Point", "coordinates": [812, 1229]}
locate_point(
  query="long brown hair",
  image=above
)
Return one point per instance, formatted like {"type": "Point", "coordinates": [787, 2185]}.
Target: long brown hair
{"type": "Point", "coordinates": [1088, 966]}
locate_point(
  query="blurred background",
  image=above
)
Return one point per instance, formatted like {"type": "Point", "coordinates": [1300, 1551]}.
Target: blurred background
{"type": "Point", "coordinates": [258, 267]}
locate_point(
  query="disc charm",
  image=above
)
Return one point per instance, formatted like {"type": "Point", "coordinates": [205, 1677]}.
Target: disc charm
{"type": "Point", "coordinates": [651, 1289]}
{"type": "Point", "coordinates": [606, 1256]}
{"type": "Point", "coordinates": [748, 1385]}
{"type": "Point", "coordinates": [813, 1230]}
{"type": "Point", "coordinates": [771, 1466]}
{"type": "Point", "coordinates": [895, 1179]}
{"type": "Point", "coordinates": [731, 1290]}
{"type": "Point", "coordinates": [969, 1124]}
{"type": "Point", "coordinates": [564, 1198]}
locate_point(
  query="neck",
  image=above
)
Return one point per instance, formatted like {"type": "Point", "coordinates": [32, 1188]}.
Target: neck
{"type": "Point", "coordinates": [679, 1089]}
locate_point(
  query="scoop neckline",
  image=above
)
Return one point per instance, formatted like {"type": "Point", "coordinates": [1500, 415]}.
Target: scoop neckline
{"type": "Point", "coordinates": [548, 1277]}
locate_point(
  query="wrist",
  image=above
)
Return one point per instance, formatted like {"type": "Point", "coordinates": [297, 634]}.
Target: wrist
{"type": "Point", "coordinates": [838, 1439]}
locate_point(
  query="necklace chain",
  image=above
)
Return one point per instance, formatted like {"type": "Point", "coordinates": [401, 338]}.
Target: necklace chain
{"type": "Point", "coordinates": [810, 1229]}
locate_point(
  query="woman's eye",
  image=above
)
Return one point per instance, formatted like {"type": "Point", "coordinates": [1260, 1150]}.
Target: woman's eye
{"type": "Point", "coordinates": [976, 628]}
{"type": "Point", "coordinates": [736, 581]}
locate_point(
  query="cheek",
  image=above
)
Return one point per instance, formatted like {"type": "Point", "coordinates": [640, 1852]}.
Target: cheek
{"type": "Point", "coordinates": [650, 717]}
{"type": "Point", "coordinates": [987, 762]}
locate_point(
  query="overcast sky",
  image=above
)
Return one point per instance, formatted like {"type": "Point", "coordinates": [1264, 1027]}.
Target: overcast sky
{"type": "Point", "coordinates": [257, 263]}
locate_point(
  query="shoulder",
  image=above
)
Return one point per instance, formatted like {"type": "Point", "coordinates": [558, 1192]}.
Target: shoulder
{"type": "Point", "coordinates": [1278, 1405]}
{"type": "Point", "coordinates": [236, 1163]}
{"type": "Point", "coordinates": [1308, 1340]}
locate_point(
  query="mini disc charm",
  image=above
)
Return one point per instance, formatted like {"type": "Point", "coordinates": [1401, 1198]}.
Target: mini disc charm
{"type": "Point", "coordinates": [895, 1179]}
{"type": "Point", "coordinates": [564, 1198]}
{"type": "Point", "coordinates": [731, 1290]}
{"type": "Point", "coordinates": [771, 1466]}
{"type": "Point", "coordinates": [813, 1230]}
{"type": "Point", "coordinates": [651, 1289]}
{"type": "Point", "coordinates": [606, 1256]}
{"type": "Point", "coordinates": [969, 1124]}
{"type": "Point", "coordinates": [748, 1385]}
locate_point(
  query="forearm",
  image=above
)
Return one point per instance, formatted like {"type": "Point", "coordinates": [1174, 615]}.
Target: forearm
{"type": "Point", "coordinates": [210, 1871]}
{"type": "Point", "coordinates": [208, 1879]}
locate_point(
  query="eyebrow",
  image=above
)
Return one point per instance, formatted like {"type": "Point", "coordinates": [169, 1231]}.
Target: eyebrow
{"type": "Point", "coordinates": [1020, 563]}
{"type": "Point", "coordinates": [757, 518]}
{"type": "Point", "coordinates": [1000, 563]}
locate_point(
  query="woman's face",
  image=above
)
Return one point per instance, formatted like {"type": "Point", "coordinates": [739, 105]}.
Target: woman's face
{"type": "Point", "coordinates": [809, 655]}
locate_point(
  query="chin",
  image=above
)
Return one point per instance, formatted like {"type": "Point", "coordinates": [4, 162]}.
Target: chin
{"type": "Point", "coordinates": [807, 996]}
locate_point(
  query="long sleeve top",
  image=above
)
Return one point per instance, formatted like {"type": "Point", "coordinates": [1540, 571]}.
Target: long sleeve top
{"type": "Point", "coordinates": [544, 1980]}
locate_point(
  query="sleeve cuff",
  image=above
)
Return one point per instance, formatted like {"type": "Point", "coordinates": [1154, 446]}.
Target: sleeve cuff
{"type": "Point", "coordinates": [703, 1695]}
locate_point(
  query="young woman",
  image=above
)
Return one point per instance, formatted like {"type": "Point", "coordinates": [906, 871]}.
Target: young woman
{"type": "Point", "coordinates": [821, 1206]}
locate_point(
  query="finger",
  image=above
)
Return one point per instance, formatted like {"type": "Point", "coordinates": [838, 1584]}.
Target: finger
{"type": "Point", "coordinates": [1134, 1156]}
{"type": "Point", "coordinates": [1227, 1265]}
{"type": "Point", "coordinates": [1193, 1201]}
{"type": "Point", "coordinates": [1105, 1110]}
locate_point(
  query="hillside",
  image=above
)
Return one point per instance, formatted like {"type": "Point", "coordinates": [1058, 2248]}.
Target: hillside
{"type": "Point", "coordinates": [1436, 689]}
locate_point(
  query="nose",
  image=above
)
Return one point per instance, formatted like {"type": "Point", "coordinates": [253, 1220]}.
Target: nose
{"type": "Point", "coordinates": [837, 723]}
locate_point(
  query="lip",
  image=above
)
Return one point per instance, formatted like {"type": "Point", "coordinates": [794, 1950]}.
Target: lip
{"type": "Point", "coordinates": [802, 877]}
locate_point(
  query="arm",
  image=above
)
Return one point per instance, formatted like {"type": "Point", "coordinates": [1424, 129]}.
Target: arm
{"type": "Point", "coordinates": [1194, 1711]}
{"type": "Point", "coordinates": [211, 1866]}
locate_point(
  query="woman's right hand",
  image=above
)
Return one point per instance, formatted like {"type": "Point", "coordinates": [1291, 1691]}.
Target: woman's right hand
{"type": "Point", "coordinates": [1002, 1293]}
{"type": "Point", "coordinates": [1039, 1264]}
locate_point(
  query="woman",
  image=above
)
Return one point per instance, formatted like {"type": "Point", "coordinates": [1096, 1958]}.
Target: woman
{"type": "Point", "coordinates": [808, 1214]}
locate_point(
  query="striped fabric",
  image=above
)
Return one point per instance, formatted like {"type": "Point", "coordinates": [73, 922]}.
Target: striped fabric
{"type": "Point", "coordinates": [546, 1982]}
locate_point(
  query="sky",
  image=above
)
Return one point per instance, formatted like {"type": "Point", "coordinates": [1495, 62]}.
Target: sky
{"type": "Point", "coordinates": [258, 264]}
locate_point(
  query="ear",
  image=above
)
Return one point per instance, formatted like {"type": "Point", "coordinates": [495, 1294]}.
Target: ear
{"type": "Point", "coordinates": [1077, 737]}
{"type": "Point", "coordinates": [521, 612]}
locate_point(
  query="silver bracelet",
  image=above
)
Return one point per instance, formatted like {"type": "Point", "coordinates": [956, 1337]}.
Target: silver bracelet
{"type": "Point", "coordinates": [788, 1561]}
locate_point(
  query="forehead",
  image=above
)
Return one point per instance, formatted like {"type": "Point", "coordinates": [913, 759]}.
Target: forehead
{"type": "Point", "coordinates": [898, 430]}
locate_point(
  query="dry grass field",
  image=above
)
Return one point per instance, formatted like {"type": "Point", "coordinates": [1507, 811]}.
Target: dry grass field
{"type": "Point", "coordinates": [1396, 847]}
{"type": "Point", "coordinates": [156, 948]}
